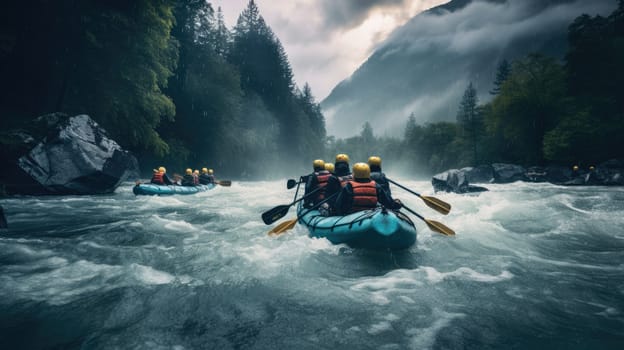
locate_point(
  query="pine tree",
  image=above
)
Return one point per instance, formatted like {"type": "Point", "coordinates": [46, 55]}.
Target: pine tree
{"type": "Point", "coordinates": [222, 35]}
{"type": "Point", "coordinates": [469, 119]}
{"type": "Point", "coordinates": [265, 71]}
{"type": "Point", "coordinates": [502, 73]}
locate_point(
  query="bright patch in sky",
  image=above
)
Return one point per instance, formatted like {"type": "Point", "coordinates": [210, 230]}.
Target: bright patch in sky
{"type": "Point", "coordinates": [326, 40]}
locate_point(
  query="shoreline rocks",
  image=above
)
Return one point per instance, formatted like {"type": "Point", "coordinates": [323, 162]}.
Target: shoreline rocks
{"type": "Point", "coordinates": [609, 173]}
{"type": "Point", "coordinates": [61, 155]}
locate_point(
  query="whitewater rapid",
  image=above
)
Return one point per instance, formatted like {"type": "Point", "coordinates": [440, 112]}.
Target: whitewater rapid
{"type": "Point", "coordinates": [531, 266]}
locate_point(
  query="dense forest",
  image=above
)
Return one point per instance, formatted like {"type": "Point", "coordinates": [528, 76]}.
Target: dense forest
{"type": "Point", "coordinates": [165, 78]}
{"type": "Point", "coordinates": [169, 81]}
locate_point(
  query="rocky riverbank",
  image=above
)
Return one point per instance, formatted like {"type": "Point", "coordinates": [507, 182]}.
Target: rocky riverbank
{"type": "Point", "coordinates": [609, 173]}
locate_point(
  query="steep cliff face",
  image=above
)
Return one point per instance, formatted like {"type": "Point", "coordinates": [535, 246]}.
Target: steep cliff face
{"type": "Point", "coordinates": [425, 65]}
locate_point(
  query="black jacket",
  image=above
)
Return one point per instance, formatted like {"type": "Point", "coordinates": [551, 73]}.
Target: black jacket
{"type": "Point", "coordinates": [187, 180]}
{"type": "Point", "coordinates": [206, 179]}
{"type": "Point", "coordinates": [380, 178]}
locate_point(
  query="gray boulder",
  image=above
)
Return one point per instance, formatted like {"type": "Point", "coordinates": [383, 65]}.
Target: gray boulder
{"type": "Point", "coordinates": [506, 173]}
{"type": "Point", "coordinates": [454, 181]}
{"type": "Point", "coordinates": [479, 174]}
{"type": "Point", "coordinates": [65, 155]}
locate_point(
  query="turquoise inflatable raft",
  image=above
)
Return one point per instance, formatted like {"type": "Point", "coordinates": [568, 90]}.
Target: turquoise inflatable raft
{"type": "Point", "coordinates": [372, 229]}
{"type": "Point", "coordinates": [163, 190]}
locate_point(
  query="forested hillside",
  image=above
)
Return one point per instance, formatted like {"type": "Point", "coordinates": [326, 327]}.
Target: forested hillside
{"type": "Point", "coordinates": [543, 111]}
{"type": "Point", "coordinates": [166, 78]}
{"type": "Point", "coordinates": [170, 82]}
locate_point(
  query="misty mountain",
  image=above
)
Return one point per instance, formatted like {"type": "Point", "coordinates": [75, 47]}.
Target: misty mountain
{"type": "Point", "coordinates": [424, 66]}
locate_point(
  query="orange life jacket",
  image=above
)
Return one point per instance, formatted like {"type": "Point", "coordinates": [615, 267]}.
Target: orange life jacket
{"type": "Point", "coordinates": [364, 195]}
{"type": "Point", "coordinates": [322, 177]}
{"type": "Point", "coordinates": [157, 178]}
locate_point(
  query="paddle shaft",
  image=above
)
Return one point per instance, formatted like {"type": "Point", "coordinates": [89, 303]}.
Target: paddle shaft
{"type": "Point", "coordinates": [413, 212]}
{"type": "Point", "coordinates": [315, 206]}
{"type": "Point", "coordinates": [432, 202]}
{"type": "Point", "coordinates": [403, 187]}
{"type": "Point", "coordinates": [274, 214]}
{"type": "Point", "coordinates": [287, 225]}
{"type": "Point", "coordinates": [433, 225]}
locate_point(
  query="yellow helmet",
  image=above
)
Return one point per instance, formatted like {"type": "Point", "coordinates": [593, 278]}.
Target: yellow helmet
{"type": "Point", "coordinates": [592, 168]}
{"type": "Point", "coordinates": [210, 171]}
{"type": "Point", "coordinates": [318, 164]}
{"type": "Point", "coordinates": [196, 171]}
{"type": "Point", "coordinates": [575, 168]}
{"type": "Point", "coordinates": [204, 171]}
{"type": "Point", "coordinates": [329, 167]}
{"type": "Point", "coordinates": [162, 169]}
{"type": "Point", "coordinates": [189, 171]}
{"type": "Point", "coordinates": [342, 158]}
{"type": "Point", "coordinates": [374, 160]}
{"type": "Point", "coordinates": [361, 171]}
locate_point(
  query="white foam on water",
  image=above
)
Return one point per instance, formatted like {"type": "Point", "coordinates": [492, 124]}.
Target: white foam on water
{"type": "Point", "coordinates": [464, 273]}
{"type": "Point", "coordinates": [407, 299]}
{"type": "Point", "coordinates": [149, 275]}
{"type": "Point", "coordinates": [63, 284]}
{"type": "Point", "coordinates": [424, 338]}
{"type": "Point", "coordinates": [562, 263]}
{"type": "Point", "coordinates": [252, 225]}
{"type": "Point", "coordinates": [173, 225]}
{"type": "Point", "coordinates": [380, 327]}
{"type": "Point", "coordinates": [398, 280]}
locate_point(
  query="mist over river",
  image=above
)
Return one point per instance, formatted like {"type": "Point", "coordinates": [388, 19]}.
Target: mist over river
{"type": "Point", "coordinates": [533, 266]}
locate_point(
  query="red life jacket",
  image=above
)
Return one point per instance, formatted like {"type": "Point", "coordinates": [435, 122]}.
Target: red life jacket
{"type": "Point", "coordinates": [322, 177]}
{"type": "Point", "coordinates": [364, 195]}
{"type": "Point", "coordinates": [157, 178]}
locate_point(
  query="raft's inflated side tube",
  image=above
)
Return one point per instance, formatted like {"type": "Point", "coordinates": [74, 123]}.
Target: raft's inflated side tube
{"type": "Point", "coordinates": [164, 190]}
{"type": "Point", "coordinates": [372, 229]}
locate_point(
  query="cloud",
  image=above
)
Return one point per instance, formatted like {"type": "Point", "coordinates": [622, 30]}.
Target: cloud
{"type": "Point", "coordinates": [482, 25]}
{"type": "Point", "coordinates": [424, 66]}
{"type": "Point", "coordinates": [326, 40]}
{"type": "Point", "coordinates": [351, 13]}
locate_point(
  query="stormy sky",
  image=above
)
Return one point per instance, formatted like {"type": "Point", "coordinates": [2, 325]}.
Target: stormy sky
{"type": "Point", "coordinates": [326, 40]}
{"type": "Point", "coordinates": [424, 66]}
{"type": "Point", "coordinates": [388, 62]}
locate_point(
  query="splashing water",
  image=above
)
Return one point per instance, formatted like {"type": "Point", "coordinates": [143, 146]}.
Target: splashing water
{"type": "Point", "coordinates": [532, 266]}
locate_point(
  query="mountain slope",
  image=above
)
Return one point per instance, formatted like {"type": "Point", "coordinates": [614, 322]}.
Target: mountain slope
{"type": "Point", "coordinates": [425, 65]}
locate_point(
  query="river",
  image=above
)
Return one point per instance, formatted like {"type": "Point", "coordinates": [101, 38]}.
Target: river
{"type": "Point", "coordinates": [533, 266]}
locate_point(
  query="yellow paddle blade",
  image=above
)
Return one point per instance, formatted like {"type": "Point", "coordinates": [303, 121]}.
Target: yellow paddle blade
{"type": "Point", "coordinates": [283, 227]}
{"type": "Point", "coordinates": [439, 227]}
{"type": "Point", "coordinates": [437, 204]}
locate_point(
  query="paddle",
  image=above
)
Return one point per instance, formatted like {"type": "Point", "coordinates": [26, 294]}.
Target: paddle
{"type": "Point", "coordinates": [283, 227]}
{"type": "Point", "coordinates": [434, 203]}
{"type": "Point", "coordinates": [433, 225]}
{"type": "Point", "coordinates": [224, 183]}
{"type": "Point", "coordinates": [289, 224]}
{"type": "Point", "coordinates": [292, 183]}
{"type": "Point", "coordinates": [272, 215]}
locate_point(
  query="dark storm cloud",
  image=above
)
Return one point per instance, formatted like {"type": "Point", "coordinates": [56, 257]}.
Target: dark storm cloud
{"type": "Point", "coordinates": [350, 13]}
